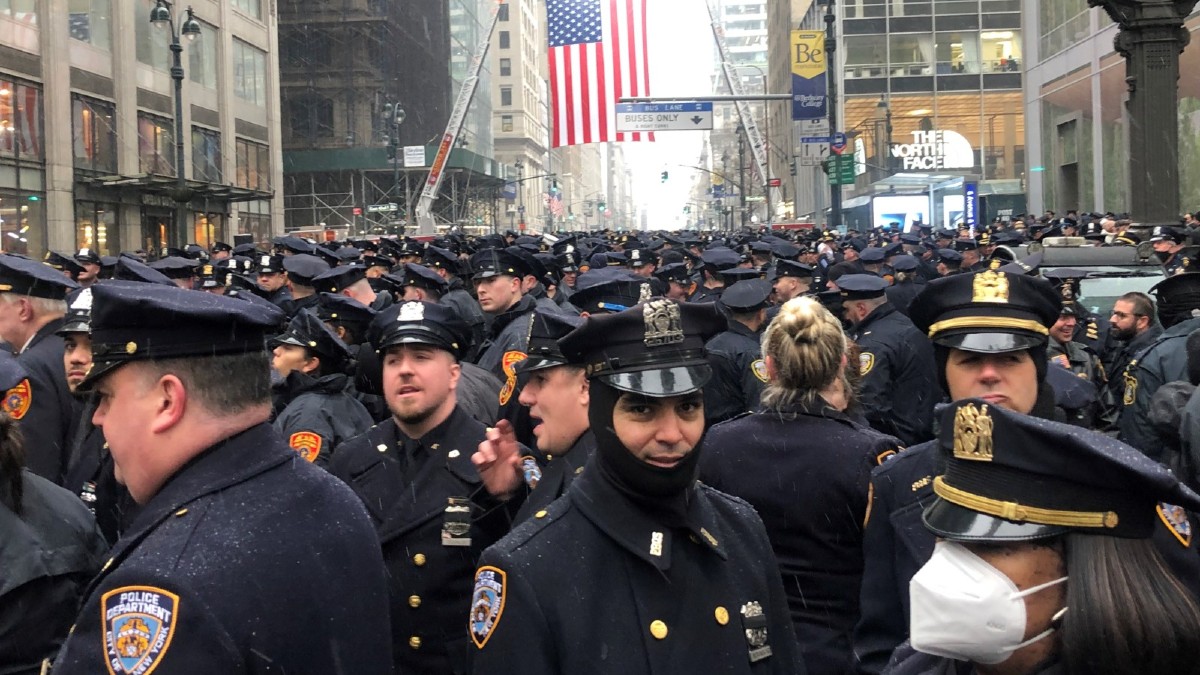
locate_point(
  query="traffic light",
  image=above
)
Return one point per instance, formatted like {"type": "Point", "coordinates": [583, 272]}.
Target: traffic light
{"type": "Point", "coordinates": [602, 206]}
{"type": "Point", "coordinates": [792, 167]}
{"type": "Point", "coordinates": [665, 175]}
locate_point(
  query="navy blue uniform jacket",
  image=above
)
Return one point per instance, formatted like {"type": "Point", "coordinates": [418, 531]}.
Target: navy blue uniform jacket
{"type": "Point", "coordinates": [240, 564]}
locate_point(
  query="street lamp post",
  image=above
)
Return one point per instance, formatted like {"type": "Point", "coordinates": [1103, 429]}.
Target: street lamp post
{"type": "Point", "coordinates": [521, 192]}
{"type": "Point", "coordinates": [161, 17]}
{"type": "Point", "coordinates": [887, 116]}
{"type": "Point", "coordinates": [742, 172]}
{"type": "Point", "coordinates": [835, 191]}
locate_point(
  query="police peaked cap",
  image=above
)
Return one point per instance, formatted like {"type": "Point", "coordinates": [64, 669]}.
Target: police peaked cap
{"type": "Point", "coordinates": [423, 323]}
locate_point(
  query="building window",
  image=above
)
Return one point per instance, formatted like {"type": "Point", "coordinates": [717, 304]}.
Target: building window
{"type": "Point", "coordinates": [21, 11]}
{"type": "Point", "coordinates": [505, 67]}
{"type": "Point", "coordinates": [300, 46]}
{"type": "Point", "coordinates": [255, 218]}
{"type": "Point", "coordinates": [202, 57]}
{"type": "Point", "coordinates": [253, 165]}
{"type": "Point", "coordinates": [506, 123]}
{"type": "Point", "coordinates": [503, 12]}
{"type": "Point", "coordinates": [505, 96]}
{"type": "Point", "coordinates": [249, 7]}
{"type": "Point", "coordinates": [206, 155]}
{"type": "Point", "coordinates": [95, 135]}
{"type": "Point", "coordinates": [1001, 50]}
{"type": "Point", "coordinates": [153, 43]}
{"type": "Point", "coordinates": [505, 41]}
{"type": "Point", "coordinates": [22, 222]}
{"type": "Point", "coordinates": [20, 120]}
{"type": "Point", "coordinates": [96, 227]}
{"type": "Point", "coordinates": [88, 21]}
{"type": "Point", "coordinates": [156, 145]}
{"type": "Point", "coordinates": [310, 117]}
{"type": "Point", "coordinates": [249, 73]}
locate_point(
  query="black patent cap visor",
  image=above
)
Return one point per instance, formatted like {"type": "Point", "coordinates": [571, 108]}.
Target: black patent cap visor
{"type": "Point", "coordinates": [956, 523]}
{"type": "Point", "coordinates": [660, 382]}
{"type": "Point", "coordinates": [537, 363]}
{"type": "Point", "coordinates": [419, 336]}
{"type": "Point", "coordinates": [990, 343]}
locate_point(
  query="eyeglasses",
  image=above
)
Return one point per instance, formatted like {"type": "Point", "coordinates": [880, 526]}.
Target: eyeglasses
{"type": "Point", "coordinates": [1123, 315]}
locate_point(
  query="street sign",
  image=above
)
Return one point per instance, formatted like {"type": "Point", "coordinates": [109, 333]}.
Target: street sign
{"type": "Point", "coordinates": [383, 208]}
{"type": "Point", "coordinates": [358, 210]}
{"type": "Point", "coordinates": [841, 169]}
{"type": "Point", "coordinates": [687, 116]}
{"type": "Point", "coordinates": [755, 198]}
{"type": "Point", "coordinates": [774, 182]}
{"type": "Point", "coordinates": [815, 139]}
{"type": "Point", "coordinates": [837, 143]}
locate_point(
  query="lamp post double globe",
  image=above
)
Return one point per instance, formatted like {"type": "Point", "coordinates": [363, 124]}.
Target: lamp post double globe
{"type": "Point", "coordinates": [161, 17]}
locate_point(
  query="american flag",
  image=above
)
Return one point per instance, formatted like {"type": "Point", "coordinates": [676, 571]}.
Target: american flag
{"type": "Point", "coordinates": [554, 201]}
{"type": "Point", "coordinates": [598, 55]}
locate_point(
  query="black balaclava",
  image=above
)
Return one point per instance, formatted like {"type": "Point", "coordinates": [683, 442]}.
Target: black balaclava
{"type": "Point", "coordinates": [662, 491]}
{"type": "Point", "coordinates": [1043, 406]}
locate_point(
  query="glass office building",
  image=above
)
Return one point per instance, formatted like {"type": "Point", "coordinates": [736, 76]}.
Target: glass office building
{"type": "Point", "coordinates": [931, 94]}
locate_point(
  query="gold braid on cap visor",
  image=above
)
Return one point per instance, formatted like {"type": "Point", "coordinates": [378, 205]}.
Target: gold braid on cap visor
{"type": "Point", "coordinates": [988, 322]}
{"type": "Point", "coordinates": [1021, 513]}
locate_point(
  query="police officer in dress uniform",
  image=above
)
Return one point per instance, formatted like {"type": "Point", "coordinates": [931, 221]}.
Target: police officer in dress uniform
{"type": "Point", "coordinates": [301, 270]}
{"type": "Point", "coordinates": [907, 283]}
{"type": "Point", "coordinates": [1091, 330]}
{"type": "Point", "coordinates": [990, 331]}
{"type": "Point", "coordinates": [638, 568]}
{"type": "Point", "coordinates": [1168, 247]}
{"type": "Point", "coordinates": [1165, 360]}
{"type": "Point", "coordinates": [315, 404]}
{"type": "Point", "coordinates": [1021, 506]}
{"type": "Point", "coordinates": [431, 511]}
{"type": "Point", "coordinates": [556, 394]}
{"type": "Point", "coordinates": [91, 473]}
{"type": "Point", "coordinates": [896, 361]}
{"type": "Point", "coordinates": [738, 371]}
{"type": "Point", "coordinates": [457, 296]}
{"type": "Point", "coordinates": [272, 280]}
{"type": "Point", "coordinates": [50, 546]}
{"type": "Point", "coordinates": [819, 462]}
{"type": "Point", "coordinates": [237, 562]}
{"type": "Point", "coordinates": [31, 313]}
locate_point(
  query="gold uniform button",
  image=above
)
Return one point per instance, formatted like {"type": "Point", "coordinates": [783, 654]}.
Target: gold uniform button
{"type": "Point", "coordinates": [722, 615]}
{"type": "Point", "coordinates": [419, 560]}
{"type": "Point", "coordinates": [540, 514]}
{"type": "Point", "coordinates": [414, 601]}
{"type": "Point", "coordinates": [658, 629]}
{"type": "Point", "coordinates": [414, 642]}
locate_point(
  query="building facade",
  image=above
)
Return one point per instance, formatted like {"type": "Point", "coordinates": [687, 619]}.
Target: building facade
{"type": "Point", "coordinates": [1074, 101]}
{"type": "Point", "coordinates": [87, 128]}
{"type": "Point", "coordinates": [345, 66]}
{"type": "Point", "coordinates": [931, 101]}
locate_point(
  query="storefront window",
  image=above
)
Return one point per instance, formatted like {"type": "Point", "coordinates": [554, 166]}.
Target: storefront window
{"type": "Point", "coordinates": [96, 227]}
{"type": "Point", "coordinates": [22, 223]}
{"type": "Point", "coordinates": [20, 120]}
{"type": "Point", "coordinates": [156, 145]}
{"type": "Point", "coordinates": [95, 135]}
{"type": "Point", "coordinates": [88, 21]}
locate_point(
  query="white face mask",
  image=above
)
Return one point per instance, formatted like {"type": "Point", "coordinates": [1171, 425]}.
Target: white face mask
{"type": "Point", "coordinates": [963, 608]}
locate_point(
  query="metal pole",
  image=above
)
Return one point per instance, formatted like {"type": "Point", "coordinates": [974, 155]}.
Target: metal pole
{"type": "Point", "coordinates": [183, 195]}
{"type": "Point", "coordinates": [742, 173]}
{"type": "Point", "coordinates": [835, 191]}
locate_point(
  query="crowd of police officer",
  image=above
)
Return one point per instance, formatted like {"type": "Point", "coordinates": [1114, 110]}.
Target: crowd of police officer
{"type": "Point", "coordinates": [401, 367]}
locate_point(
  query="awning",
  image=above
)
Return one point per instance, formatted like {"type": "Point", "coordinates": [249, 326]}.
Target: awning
{"type": "Point", "coordinates": [154, 184]}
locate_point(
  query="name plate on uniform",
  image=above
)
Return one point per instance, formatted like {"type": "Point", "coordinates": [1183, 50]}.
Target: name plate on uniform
{"type": "Point", "coordinates": [456, 522]}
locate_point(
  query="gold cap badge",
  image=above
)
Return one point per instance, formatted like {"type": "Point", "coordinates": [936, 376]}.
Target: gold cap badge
{"type": "Point", "coordinates": [990, 286]}
{"type": "Point", "coordinates": [973, 433]}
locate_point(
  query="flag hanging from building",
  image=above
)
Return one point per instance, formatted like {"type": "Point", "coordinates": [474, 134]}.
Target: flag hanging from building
{"type": "Point", "coordinates": [598, 52]}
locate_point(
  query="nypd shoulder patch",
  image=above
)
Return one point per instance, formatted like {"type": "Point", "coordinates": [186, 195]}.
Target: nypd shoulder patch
{"type": "Point", "coordinates": [531, 471]}
{"type": "Point", "coordinates": [1176, 520]}
{"type": "Point", "coordinates": [759, 366]}
{"type": "Point", "coordinates": [139, 622]}
{"type": "Point", "coordinates": [487, 603]}
{"type": "Point", "coordinates": [307, 444]}
{"type": "Point", "coordinates": [17, 400]}
{"type": "Point", "coordinates": [866, 361]}
{"type": "Point", "coordinates": [509, 364]}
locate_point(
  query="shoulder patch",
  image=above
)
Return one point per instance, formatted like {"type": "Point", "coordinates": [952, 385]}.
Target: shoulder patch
{"type": "Point", "coordinates": [307, 444]}
{"type": "Point", "coordinates": [17, 400]}
{"type": "Point", "coordinates": [509, 363]}
{"type": "Point", "coordinates": [1131, 385]}
{"type": "Point", "coordinates": [1176, 520]}
{"type": "Point", "coordinates": [866, 361]}
{"type": "Point", "coordinates": [531, 471]}
{"type": "Point", "coordinates": [139, 622]}
{"type": "Point", "coordinates": [487, 603]}
{"type": "Point", "coordinates": [759, 367]}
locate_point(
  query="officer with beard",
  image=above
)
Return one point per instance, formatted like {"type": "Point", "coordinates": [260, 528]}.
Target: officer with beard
{"type": "Point", "coordinates": [644, 569]}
